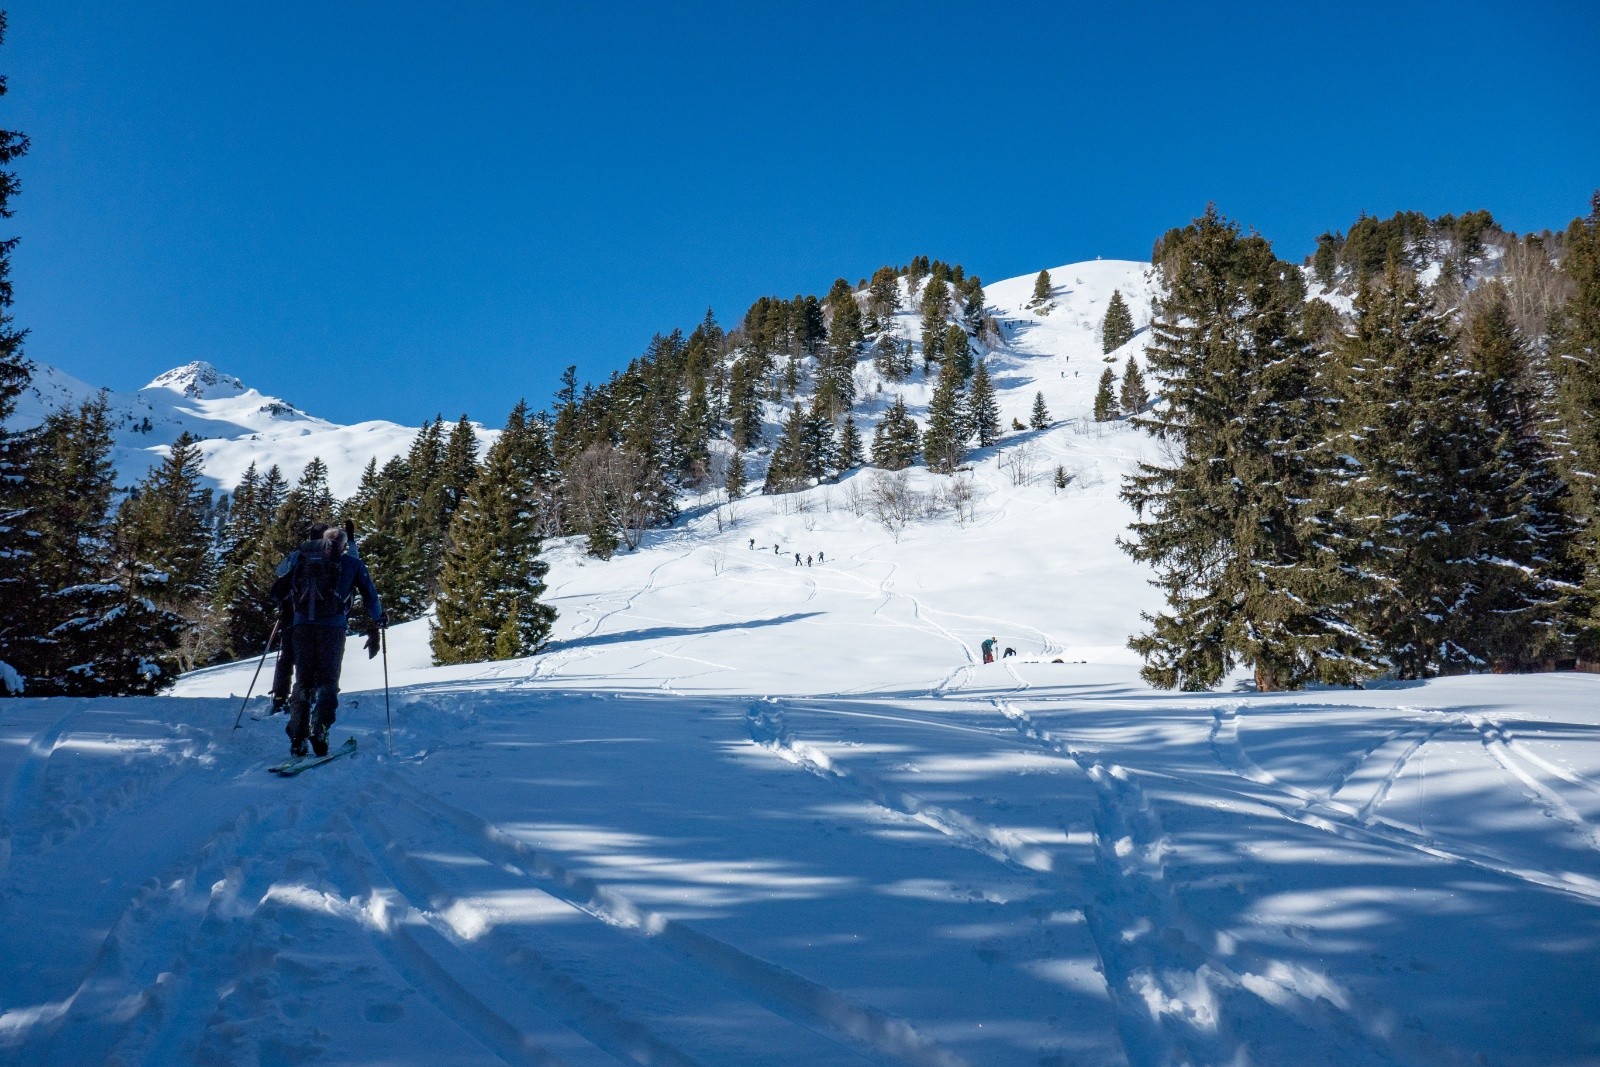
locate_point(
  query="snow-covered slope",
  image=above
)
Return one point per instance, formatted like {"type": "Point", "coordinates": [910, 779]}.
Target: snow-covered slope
{"type": "Point", "coordinates": [237, 426]}
{"type": "Point", "coordinates": [748, 812]}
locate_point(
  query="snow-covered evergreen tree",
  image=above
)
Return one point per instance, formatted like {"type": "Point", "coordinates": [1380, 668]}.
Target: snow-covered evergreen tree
{"type": "Point", "coordinates": [983, 410]}
{"type": "Point", "coordinates": [491, 587]}
{"type": "Point", "coordinates": [1224, 523]}
{"type": "Point", "coordinates": [1039, 418]}
{"type": "Point", "coordinates": [1116, 329]}
{"type": "Point", "coordinates": [945, 443]}
{"type": "Point", "coordinates": [897, 439]}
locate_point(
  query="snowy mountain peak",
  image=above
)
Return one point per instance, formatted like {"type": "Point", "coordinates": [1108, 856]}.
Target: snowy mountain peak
{"type": "Point", "coordinates": [199, 381]}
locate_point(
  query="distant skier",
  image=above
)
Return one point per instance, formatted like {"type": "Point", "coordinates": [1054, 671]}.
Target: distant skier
{"type": "Point", "coordinates": [752, 544]}
{"type": "Point", "coordinates": [821, 557]}
{"type": "Point", "coordinates": [1009, 653]}
{"type": "Point", "coordinates": [774, 550]}
{"type": "Point", "coordinates": [808, 561]}
{"type": "Point", "coordinates": [797, 559]}
{"type": "Point", "coordinates": [322, 579]}
{"type": "Point", "coordinates": [988, 649]}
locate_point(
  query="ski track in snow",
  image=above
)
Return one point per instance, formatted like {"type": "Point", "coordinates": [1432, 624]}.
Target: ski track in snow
{"type": "Point", "coordinates": [1185, 993]}
{"type": "Point", "coordinates": [778, 989]}
{"type": "Point", "coordinates": [1171, 992]}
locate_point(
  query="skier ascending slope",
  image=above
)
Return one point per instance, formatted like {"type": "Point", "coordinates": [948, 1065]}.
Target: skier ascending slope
{"type": "Point", "coordinates": [321, 578]}
{"type": "Point", "coordinates": [988, 649]}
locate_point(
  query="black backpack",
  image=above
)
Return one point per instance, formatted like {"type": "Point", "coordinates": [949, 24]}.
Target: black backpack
{"type": "Point", "coordinates": [314, 586]}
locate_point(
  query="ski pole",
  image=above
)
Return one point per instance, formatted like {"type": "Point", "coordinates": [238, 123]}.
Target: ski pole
{"type": "Point", "coordinates": [239, 719]}
{"type": "Point", "coordinates": [383, 642]}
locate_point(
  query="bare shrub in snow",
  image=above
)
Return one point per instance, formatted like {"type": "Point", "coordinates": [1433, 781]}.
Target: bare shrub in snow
{"type": "Point", "coordinates": [961, 497]}
{"type": "Point", "coordinates": [1018, 463]}
{"type": "Point", "coordinates": [893, 503]}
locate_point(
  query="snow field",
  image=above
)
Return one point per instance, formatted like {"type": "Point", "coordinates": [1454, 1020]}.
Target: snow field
{"type": "Point", "coordinates": [743, 812]}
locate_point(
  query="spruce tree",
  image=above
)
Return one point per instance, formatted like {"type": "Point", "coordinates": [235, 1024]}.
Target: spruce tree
{"type": "Point", "coordinates": [1040, 417]}
{"type": "Point", "coordinates": [933, 339]}
{"type": "Point", "coordinates": [1134, 397]}
{"type": "Point", "coordinates": [492, 583]}
{"type": "Point", "coordinates": [850, 455]}
{"type": "Point", "coordinates": [1041, 290]}
{"type": "Point", "coordinates": [1526, 608]}
{"type": "Point", "coordinates": [972, 304]}
{"type": "Point", "coordinates": [944, 444]}
{"type": "Point", "coordinates": [897, 439]}
{"type": "Point", "coordinates": [163, 524]}
{"type": "Point", "coordinates": [786, 470]}
{"type": "Point", "coordinates": [72, 488]}
{"type": "Point", "coordinates": [734, 482]}
{"type": "Point", "coordinates": [1116, 329]}
{"type": "Point", "coordinates": [18, 535]}
{"type": "Point", "coordinates": [883, 298]}
{"type": "Point", "coordinates": [1574, 351]}
{"type": "Point", "coordinates": [1105, 398]}
{"type": "Point", "coordinates": [983, 411]}
{"type": "Point", "coordinates": [1434, 501]}
{"type": "Point", "coordinates": [1224, 521]}
{"type": "Point", "coordinates": [957, 351]}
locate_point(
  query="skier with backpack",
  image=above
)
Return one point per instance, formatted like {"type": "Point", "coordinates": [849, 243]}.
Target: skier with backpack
{"type": "Point", "coordinates": [319, 579]}
{"type": "Point", "coordinates": [988, 649]}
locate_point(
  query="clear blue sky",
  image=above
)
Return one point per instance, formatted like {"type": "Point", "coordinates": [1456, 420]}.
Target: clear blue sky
{"type": "Point", "coordinates": [391, 209]}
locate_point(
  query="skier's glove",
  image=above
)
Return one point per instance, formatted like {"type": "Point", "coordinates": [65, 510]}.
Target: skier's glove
{"type": "Point", "coordinates": [372, 640]}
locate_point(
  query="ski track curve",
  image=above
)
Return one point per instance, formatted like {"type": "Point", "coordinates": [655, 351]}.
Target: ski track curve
{"type": "Point", "coordinates": [786, 993]}
{"type": "Point", "coordinates": [1499, 743]}
{"type": "Point", "coordinates": [1180, 983]}
{"type": "Point", "coordinates": [1342, 820]}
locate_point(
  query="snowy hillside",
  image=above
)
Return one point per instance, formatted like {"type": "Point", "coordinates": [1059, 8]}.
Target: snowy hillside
{"type": "Point", "coordinates": [748, 811]}
{"type": "Point", "coordinates": [237, 426]}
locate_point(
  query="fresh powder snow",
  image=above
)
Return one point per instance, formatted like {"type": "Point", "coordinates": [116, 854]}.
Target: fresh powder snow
{"type": "Point", "coordinates": [747, 812]}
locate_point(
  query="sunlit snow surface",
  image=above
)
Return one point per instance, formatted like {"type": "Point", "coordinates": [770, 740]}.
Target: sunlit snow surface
{"type": "Point", "coordinates": [743, 812]}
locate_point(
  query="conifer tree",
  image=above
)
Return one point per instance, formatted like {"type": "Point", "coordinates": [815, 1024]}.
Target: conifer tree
{"type": "Point", "coordinates": [17, 532]}
{"type": "Point", "coordinates": [897, 439]}
{"type": "Point", "coordinates": [1134, 397]}
{"type": "Point", "coordinates": [944, 445]}
{"type": "Point", "coordinates": [1524, 621]}
{"type": "Point", "coordinates": [72, 487]}
{"type": "Point", "coordinates": [983, 410]}
{"type": "Point", "coordinates": [1041, 290]}
{"type": "Point", "coordinates": [1433, 501]}
{"type": "Point", "coordinates": [883, 298]}
{"type": "Point", "coordinates": [850, 455]}
{"type": "Point", "coordinates": [734, 482]}
{"type": "Point", "coordinates": [957, 351]}
{"type": "Point", "coordinates": [972, 304]}
{"type": "Point", "coordinates": [1223, 521]}
{"type": "Point", "coordinates": [789, 466]}
{"type": "Point", "coordinates": [492, 583]}
{"type": "Point", "coordinates": [163, 525]}
{"type": "Point", "coordinates": [1575, 367]}
{"type": "Point", "coordinates": [1040, 418]}
{"type": "Point", "coordinates": [933, 338]}
{"type": "Point", "coordinates": [891, 358]}
{"type": "Point", "coordinates": [1116, 329]}
{"type": "Point", "coordinates": [1105, 398]}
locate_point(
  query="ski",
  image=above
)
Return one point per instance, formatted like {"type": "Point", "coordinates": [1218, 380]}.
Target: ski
{"type": "Point", "coordinates": [304, 763]}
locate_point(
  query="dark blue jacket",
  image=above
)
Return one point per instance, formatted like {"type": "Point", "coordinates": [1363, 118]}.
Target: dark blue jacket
{"type": "Point", "coordinates": [353, 576]}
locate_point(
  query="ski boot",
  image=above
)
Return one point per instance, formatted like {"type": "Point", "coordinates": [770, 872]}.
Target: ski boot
{"type": "Point", "coordinates": [319, 739]}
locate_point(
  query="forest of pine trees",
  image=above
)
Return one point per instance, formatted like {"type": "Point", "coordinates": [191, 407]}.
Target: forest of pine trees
{"type": "Point", "coordinates": [1404, 490]}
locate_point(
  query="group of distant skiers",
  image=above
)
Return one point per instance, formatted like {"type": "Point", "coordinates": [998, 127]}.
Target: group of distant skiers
{"type": "Point", "coordinates": [777, 550]}
{"type": "Point", "coordinates": [313, 590]}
